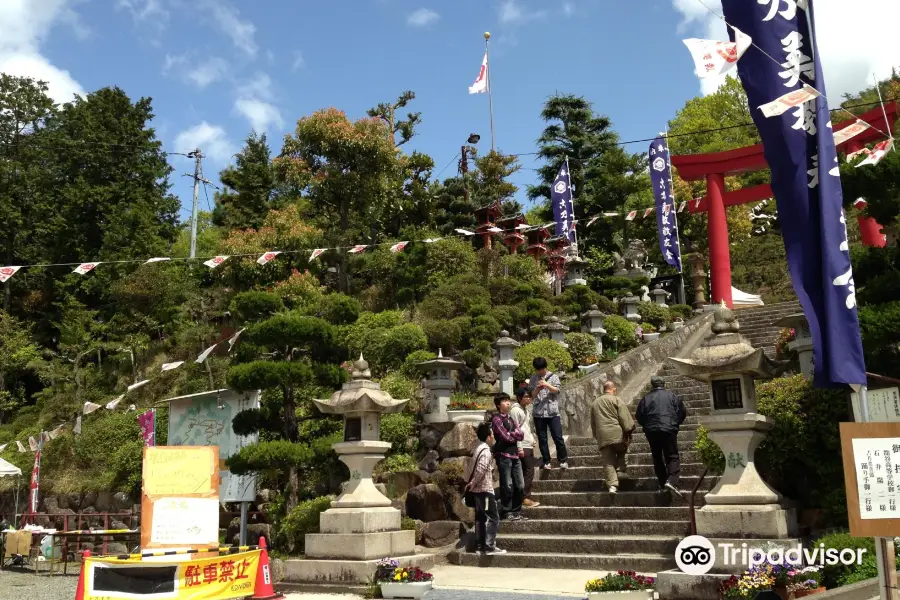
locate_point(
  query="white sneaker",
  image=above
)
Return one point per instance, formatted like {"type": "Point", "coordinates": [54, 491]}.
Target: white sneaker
{"type": "Point", "coordinates": [546, 467]}
{"type": "Point", "coordinates": [495, 552]}
{"type": "Point", "coordinates": [613, 489]}
{"type": "Point", "coordinates": [564, 466]}
{"type": "Point", "coordinates": [674, 489]}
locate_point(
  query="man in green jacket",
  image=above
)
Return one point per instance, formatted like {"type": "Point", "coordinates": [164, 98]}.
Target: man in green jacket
{"type": "Point", "coordinates": [612, 426]}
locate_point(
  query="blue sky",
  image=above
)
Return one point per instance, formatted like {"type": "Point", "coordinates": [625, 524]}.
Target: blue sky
{"type": "Point", "coordinates": [218, 68]}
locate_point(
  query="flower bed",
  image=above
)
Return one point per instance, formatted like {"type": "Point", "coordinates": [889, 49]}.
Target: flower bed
{"type": "Point", "coordinates": [402, 582]}
{"type": "Point", "coordinates": [786, 579]}
{"type": "Point", "coordinates": [621, 585]}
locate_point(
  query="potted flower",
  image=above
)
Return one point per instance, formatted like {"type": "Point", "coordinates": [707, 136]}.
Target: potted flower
{"type": "Point", "coordinates": [621, 585]}
{"type": "Point", "coordinates": [748, 585]}
{"type": "Point", "coordinates": [402, 582]}
{"type": "Point", "coordinates": [678, 323]}
{"type": "Point", "coordinates": [651, 334]}
{"type": "Point", "coordinates": [465, 409]}
{"type": "Point", "coordinates": [805, 582]}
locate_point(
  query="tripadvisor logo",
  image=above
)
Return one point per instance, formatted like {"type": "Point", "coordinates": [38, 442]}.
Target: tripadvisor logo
{"type": "Point", "coordinates": [696, 555]}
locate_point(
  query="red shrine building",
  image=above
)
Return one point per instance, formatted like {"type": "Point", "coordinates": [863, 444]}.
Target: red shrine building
{"type": "Point", "coordinates": [715, 167]}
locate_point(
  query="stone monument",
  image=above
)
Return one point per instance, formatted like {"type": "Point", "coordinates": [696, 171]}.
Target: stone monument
{"type": "Point", "coordinates": [575, 271]}
{"type": "Point", "coordinates": [506, 346]}
{"type": "Point", "coordinates": [802, 343]}
{"type": "Point", "coordinates": [361, 527]}
{"type": "Point", "coordinates": [630, 305]}
{"type": "Point", "coordinates": [593, 324]}
{"type": "Point", "coordinates": [660, 295]}
{"type": "Point", "coordinates": [698, 280]}
{"type": "Point", "coordinates": [440, 385]}
{"type": "Point", "coordinates": [742, 508]}
{"type": "Point", "coordinates": [557, 331]}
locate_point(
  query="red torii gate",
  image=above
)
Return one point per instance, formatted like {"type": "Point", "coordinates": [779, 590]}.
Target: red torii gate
{"type": "Point", "coordinates": [714, 167]}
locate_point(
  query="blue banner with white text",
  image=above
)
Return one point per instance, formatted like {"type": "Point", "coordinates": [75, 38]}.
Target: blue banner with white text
{"type": "Point", "coordinates": [563, 206]}
{"type": "Point", "coordinates": [666, 219]}
{"type": "Point", "coordinates": [799, 147]}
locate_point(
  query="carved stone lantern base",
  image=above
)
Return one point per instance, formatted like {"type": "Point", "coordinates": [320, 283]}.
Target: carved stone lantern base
{"type": "Point", "coordinates": [361, 457]}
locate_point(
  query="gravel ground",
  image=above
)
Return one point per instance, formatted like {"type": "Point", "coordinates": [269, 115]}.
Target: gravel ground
{"type": "Point", "coordinates": [16, 585]}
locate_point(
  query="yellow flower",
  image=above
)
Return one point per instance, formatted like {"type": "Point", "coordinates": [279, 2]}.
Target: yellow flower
{"type": "Point", "coordinates": [396, 578]}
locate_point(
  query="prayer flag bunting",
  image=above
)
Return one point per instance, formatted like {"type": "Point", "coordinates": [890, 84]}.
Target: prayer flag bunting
{"type": "Point", "coordinates": [6, 273]}
{"type": "Point", "coordinates": [267, 257]}
{"type": "Point", "coordinates": [233, 339]}
{"type": "Point", "coordinates": [112, 404]}
{"type": "Point", "coordinates": [465, 232]}
{"type": "Point", "coordinates": [316, 254]}
{"type": "Point", "coordinates": [713, 58]}
{"type": "Point", "coordinates": [850, 132]}
{"type": "Point", "coordinates": [215, 262]}
{"type": "Point", "coordinates": [85, 268]}
{"type": "Point", "coordinates": [648, 212]}
{"type": "Point", "coordinates": [399, 247]}
{"type": "Point", "coordinates": [21, 447]}
{"type": "Point", "coordinates": [90, 407]}
{"type": "Point", "coordinates": [357, 249]}
{"type": "Point", "coordinates": [135, 386]}
{"type": "Point", "coordinates": [156, 260]}
{"type": "Point", "coordinates": [877, 153]}
{"type": "Point", "coordinates": [682, 206]}
{"type": "Point", "coordinates": [592, 221]}
{"type": "Point", "coordinates": [172, 365]}
{"type": "Point", "coordinates": [205, 354]}
{"type": "Point", "coordinates": [782, 104]}
{"type": "Point", "coordinates": [631, 216]}
{"type": "Point", "coordinates": [32, 443]}
{"type": "Point", "coordinates": [432, 240]}
{"type": "Point", "coordinates": [495, 229]}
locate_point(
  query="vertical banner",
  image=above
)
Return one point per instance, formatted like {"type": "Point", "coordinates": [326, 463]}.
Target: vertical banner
{"type": "Point", "coordinates": [34, 487]}
{"type": "Point", "coordinates": [147, 422]}
{"type": "Point", "coordinates": [666, 219]}
{"type": "Point", "coordinates": [799, 147]}
{"type": "Point", "coordinates": [563, 207]}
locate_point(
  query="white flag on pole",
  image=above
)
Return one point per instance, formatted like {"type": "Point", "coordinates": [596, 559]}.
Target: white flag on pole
{"type": "Point", "coordinates": [781, 105]}
{"type": "Point", "coordinates": [480, 85]}
{"type": "Point", "coordinates": [85, 268]}
{"type": "Point", "coordinates": [156, 260]}
{"type": "Point", "coordinates": [112, 404]}
{"type": "Point", "coordinates": [206, 354]}
{"type": "Point", "coordinates": [172, 365]}
{"type": "Point", "coordinates": [267, 257]}
{"type": "Point", "coordinates": [215, 262]}
{"type": "Point", "coordinates": [90, 407]}
{"type": "Point", "coordinates": [7, 272]}
{"type": "Point", "coordinates": [714, 58]}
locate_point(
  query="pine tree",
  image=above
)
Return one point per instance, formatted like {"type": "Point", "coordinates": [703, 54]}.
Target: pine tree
{"type": "Point", "coordinates": [249, 187]}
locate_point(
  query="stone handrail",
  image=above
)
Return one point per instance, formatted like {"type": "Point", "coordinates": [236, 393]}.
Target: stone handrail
{"type": "Point", "coordinates": [631, 372]}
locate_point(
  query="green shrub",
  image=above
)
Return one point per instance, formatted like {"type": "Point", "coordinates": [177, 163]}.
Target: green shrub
{"type": "Point", "coordinates": [397, 428]}
{"type": "Point", "coordinates": [401, 388]}
{"type": "Point", "coordinates": [832, 574]}
{"type": "Point", "coordinates": [582, 348]}
{"type": "Point", "coordinates": [654, 314]}
{"type": "Point", "coordinates": [337, 309]}
{"type": "Point", "coordinates": [302, 520]}
{"type": "Point", "coordinates": [619, 287]}
{"type": "Point", "coordinates": [620, 333]}
{"type": "Point", "coordinates": [444, 334]}
{"type": "Point", "coordinates": [709, 452]}
{"type": "Point", "coordinates": [648, 328]}
{"type": "Point", "coordinates": [484, 327]}
{"type": "Point", "coordinates": [407, 524]}
{"type": "Point", "coordinates": [681, 310]}
{"type": "Point", "coordinates": [254, 306]}
{"type": "Point", "coordinates": [558, 358]}
{"type": "Point", "coordinates": [577, 299]}
{"type": "Point", "coordinates": [411, 369]}
{"type": "Point", "coordinates": [396, 464]}
{"type": "Point", "coordinates": [448, 258]}
{"type": "Point", "coordinates": [868, 569]}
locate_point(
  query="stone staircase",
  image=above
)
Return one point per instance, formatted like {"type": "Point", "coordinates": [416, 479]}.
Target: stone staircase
{"type": "Point", "coordinates": [579, 525]}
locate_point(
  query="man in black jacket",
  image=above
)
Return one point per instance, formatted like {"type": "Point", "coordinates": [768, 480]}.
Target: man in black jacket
{"type": "Point", "coordinates": [661, 413]}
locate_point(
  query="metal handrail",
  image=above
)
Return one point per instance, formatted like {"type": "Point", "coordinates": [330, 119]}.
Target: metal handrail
{"type": "Point", "coordinates": [693, 494]}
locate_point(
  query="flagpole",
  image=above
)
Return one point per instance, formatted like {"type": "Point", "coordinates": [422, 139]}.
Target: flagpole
{"type": "Point", "coordinates": [487, 54]}
{"type": "Point", "coordinates": [887, 123]}
{"type": "Point", "coordinates": [572, 196]}
{"type": "Point", "coordinates": [674, 212]}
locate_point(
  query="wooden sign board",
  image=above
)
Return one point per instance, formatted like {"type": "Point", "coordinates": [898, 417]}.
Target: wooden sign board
{"type": "Point", "coordinates": [871, 454]}
{"type": "Point", "coordinates": [180, 497]}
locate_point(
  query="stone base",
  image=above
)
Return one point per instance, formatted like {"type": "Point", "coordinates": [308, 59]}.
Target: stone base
{"type": "Point", "coordinates": [675, 585]}
{"type": "Point", "coordinates": [352, 572]}
{"type": "Point", "coordinates": [360, 546]}
{"type": "Point", "coordinates": [727, 562]}
{"type": "Point", "coordinates": [436, 417]}
{"type": "Point", "coordinates": [746, 521]}
{"type": "Point", "coordinates": [359, 520]}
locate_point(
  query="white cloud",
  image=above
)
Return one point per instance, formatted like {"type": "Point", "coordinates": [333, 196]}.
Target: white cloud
{"type": "Point", "coordinates": [254, 102]}
{"type": "Point", "coordinates": [512, 12]}
{"type": "Point", "coordinates": [422, 17]}
{"type": "Point", "coordinates": [200, 73]}
{"type": "Point", "coordinates": [144, 10]}
{"type": "Point", "coordinates": [299, 62]}
{"type": "Point", "coordinates": [210, 139]}
{"type": "Point", "coordinates": [23, 25]}
{"type": "Point", "coordinates": [228, 19]}
{"type": "Point", "coordinates": [847, 59]}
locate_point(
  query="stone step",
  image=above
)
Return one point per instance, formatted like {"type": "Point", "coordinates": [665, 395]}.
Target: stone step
{"type": "Point", "coordinates": [634, 484]}
{"type": "Point", "coordinates": [684, 435]}
{"type": "Point", "coordinates": [590, 469]}
{"type": "Point", "coordinates": [685, 444]}
{"type": "Point", "coordinates": [604, 498]}
{"type": "Point", "coordinates": [588, 544]}
{"type": "Point", "coordinates": [591, 450]}
{"type": "Point", "coordinates": [642, 563]}
{"type": "Point", "coordinates": [618, 527]}
{"type": "Point", "coordinates": [545, 514]}
{"type": "Point", "coordinates": [633, 458]}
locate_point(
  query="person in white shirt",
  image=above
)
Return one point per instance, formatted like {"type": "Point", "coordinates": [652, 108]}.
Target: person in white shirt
{"type": "Point", "coordinates": [521, 414]}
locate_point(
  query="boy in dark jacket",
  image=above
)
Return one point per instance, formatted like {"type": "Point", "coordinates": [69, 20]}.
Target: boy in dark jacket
{"type": "Point", "coordinates": [661, 414]}
{"type": "Point", "coordinates": [507, 434]}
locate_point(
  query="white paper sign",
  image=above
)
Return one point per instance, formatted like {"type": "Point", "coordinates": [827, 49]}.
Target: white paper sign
{"type": "Point", "coordinates": [189, 521]}
{"type": "Point", "coordinates": [884, 405]}
{"type": "Point", "coordinates": [877, 464]}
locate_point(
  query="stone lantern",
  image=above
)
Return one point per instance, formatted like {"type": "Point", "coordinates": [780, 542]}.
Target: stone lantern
{"type": "Point", "coordinates": [575, 271]}
{"type": "Point", "coordinates": [631, 308]}
{"type": "Point", "coordinates": [802, 343]}
{"type": "Point", "coordinates": [361, 526]}
{"type": "Point", "coordinates": [698, 280]}
{"type": "Point", "coordinates": [440, 384]}
{"type": "Point", "coordinates": [557, 331]}
{"type": "Point", "coordinates": [593, 324]}
{"type": "Point", "coordinates": [660, 295]}
{"type": "Point", "coordinates": [505, 348]}
{"type": "Point", "coordinates": [742, 505]}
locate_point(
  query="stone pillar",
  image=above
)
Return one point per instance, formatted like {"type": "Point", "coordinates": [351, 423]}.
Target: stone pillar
{"type": "Point", "coordinates": [660, 295]}
{"type": "Point", "coordinates": [505, 348]}
{"type": "Point", "coordinates": [575, 272]}
{"type": "Point", "coordinates": [698, 280]}
{"type": "Point", "coordinates": [631, 303]}
{"type": "Point", "coordinates": [557, 331]}
{"type": "Point", "coordinates": [719, 252]}
{"type": "Point", "coordinates": [440, 385]}
{"type": "Point", "coordinates": [593, 324]}
{"type": "Point", "coordinates": [802, 343]}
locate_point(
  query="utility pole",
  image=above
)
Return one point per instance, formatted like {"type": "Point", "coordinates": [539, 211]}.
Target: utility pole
{"type": "Point", "coordinates": [198, 179]}
{"type": "Point", "coordinates": [464, 169]}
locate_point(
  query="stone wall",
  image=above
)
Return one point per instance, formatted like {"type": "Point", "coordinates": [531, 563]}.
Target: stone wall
{"type": "Point", "coordinates": [631, 372]}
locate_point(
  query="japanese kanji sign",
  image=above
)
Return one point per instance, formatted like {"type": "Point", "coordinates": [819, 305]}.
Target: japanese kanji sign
{"type": "Point", "coordinates": [563, 204]}
{"type": "Point", "coordinates": [666, 218]}
{"type": "Point", "coordinates": [221, 577]}
{"type": "Point", "coordinates": [800, 150]}
{"type": "Point", "coordinates": [871, 457]}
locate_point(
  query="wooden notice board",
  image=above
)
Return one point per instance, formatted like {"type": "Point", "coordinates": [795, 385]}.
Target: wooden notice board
{"type": "Point", "coordinates": [871, 455]}
{"type": "Point", "coordinates": [180, 497]}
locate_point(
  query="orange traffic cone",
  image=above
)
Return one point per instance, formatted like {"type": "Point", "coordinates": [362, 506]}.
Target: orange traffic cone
{"type": "Point", "coordinates": [264, 589]}
{"type": "Point", "coordinates": [79, 591]}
